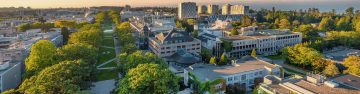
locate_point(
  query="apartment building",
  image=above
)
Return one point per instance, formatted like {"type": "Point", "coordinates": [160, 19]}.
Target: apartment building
{"type": "Point", "coordinates": [225, 10]}
{"type": "Point", "coordinates": [311, 84]}
{"type": "Point", "coordinates": [239, 9]}
{"type": "Point", "coordinates": [202, 9]}
{"type": "Point", "coordinates": [242, 72]}
{"type": "Point", "coordinates": [213, 9]}
{"type": "Point", "coordinates": [187, 10]}
{"type": "Point", "coordinates": [167, 43]}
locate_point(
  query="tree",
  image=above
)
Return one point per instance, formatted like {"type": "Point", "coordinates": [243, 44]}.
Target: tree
{"type": "Point", "coordinates": [62, 78]}
{"type": "Point", "coordinates": [78, 51]}
{"type": "Point", "coordinates": [179, 24]}
{"type": "Point", "coordinates": [129, 61]}
{"type": "Point", "coordinates": [227, 45]}
{"type": "Point", "coordinates": [191, 21]}
{"type": "Point", "coordinates": [326, 24]}
{"type": "Point", "coordinates": [11, 91]}
{"type": "Point", "coordinates": [89, 34]}
{"type": "Point", "coordinates": [24, 27]}
{"type": "Point", "coordinates": [331, 70]}
{"type": "Point", "coordinates": [343, 24]}
{"type": "Point", "coordinates": [301, 55]}
{"type": "Point", "coordinates": [148, 79]}
{"type": "Point", "coordinates": [253, 53]}
{"type": "Point", "coordinates": [234, 32]}
{"type": "Point", "coordinates": [41, 55]}
{"type": "Point", "coordinates": [350, 11]}
{"type": "Point", "coordinates": [357, 26]}
{"type": "Point", "coordinates": [128, 48]}
{"type": "Point", "coordinates": [246, 21]}
{"type": "Point", "coordinates": [223, 60]}
{"type": "Point", "coordinates": [65, 33]}
{"type": "Point", "coordinates": [352, 63]}
{"type": "Point", "coordinates": [295, 23]}
{"type": "Point", "coordinates": [213, 60]}
{"type": "Point", "coordinates": [196, 33]}
{"type": "Point", "coordinates": [63, 23]}
{"type": "Point", "coordinates": [284, 24]}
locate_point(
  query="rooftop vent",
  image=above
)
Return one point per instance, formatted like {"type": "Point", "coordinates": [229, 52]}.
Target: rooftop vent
{"type": "Point", "coordinates": [331, 84]}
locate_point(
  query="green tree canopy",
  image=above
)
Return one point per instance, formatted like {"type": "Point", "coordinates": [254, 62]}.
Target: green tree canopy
{"type": "Point", "coordinates": [284, 24]}
{"type": "Point", "coordinates": [245, 21]}
{"type": "Point", "coordinates": [352, 63]}
{"type": "Point", "coordinates": [213, 60]}
{"type": "Point", "coordinates": [331, 70]}
{"type": "Point", "coordinates": [66, 33]}
{"type": "Point", "coordinates": [234, 32]}
{"type": "Point", "coordinates": [223, 60]}
{"type": "Point", "coordinates": [148, 79]}
{"type": "Point", "coordinates": [326, 24]}
{"type": "Point", "coordinates": [132, 60]}
{"type": "Point", "coordinates": [253, 53]}
{"type": "Point", "coordinates": [62, 78]}
{"type": "Point", "coordinates": [41, 55]}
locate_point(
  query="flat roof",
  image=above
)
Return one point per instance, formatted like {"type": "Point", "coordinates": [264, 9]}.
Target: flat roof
{"type": "Point", "coordinates": [323, 89]}
{"type": "Point", "coordinates": [350, 80]}
{"type": "Point", "coordinates": [207, 72]}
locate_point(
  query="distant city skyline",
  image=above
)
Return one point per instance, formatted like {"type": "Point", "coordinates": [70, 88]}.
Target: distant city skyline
{"type": "Point", "coordinates": [323, 5]}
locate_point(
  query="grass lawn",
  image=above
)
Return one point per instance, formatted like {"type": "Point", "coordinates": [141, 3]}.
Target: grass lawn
{"type": "Point", "coordinates": [275, 57]}
{"type": "Point", "coordinates": [111, 64]}
{"type": "Point", "coordinates": [106, 53]}
{"type": "Point", "coordinates": [292, 71]}
{"type": "Point", "coordinates": [107, 74]}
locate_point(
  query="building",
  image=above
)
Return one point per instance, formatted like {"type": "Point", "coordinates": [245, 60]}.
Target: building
{"type": "Point", "coordinates": [202, 9]}
{"type": "Point", "coordinates": [311, 84]}
{"type": "Point", "coordinates": [225, 10]}
{"type": "Point", "coordinates": [213, 9]}
{"type": "Point", "coordinates": [245, 72]}
{"type": "Point", "coordinates": [266, 42]}
{"type": "Point", "coordinates": [239, 9]}
{"type": "Point", "coordinates": [168, 43]}
{"type": "Point", "coordinates": [10, 75]}
{"type": "Point", "coordinates": [187, 10]}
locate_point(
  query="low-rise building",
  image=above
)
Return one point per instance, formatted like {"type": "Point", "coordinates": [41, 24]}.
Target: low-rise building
{"type": "Point", "coordinates": [10, 75]}
{"type": "Point", "coordinates": [311, 84]}
{"type": "Point", "coordinates": [266, 42]}
{"type": "Point", "coordinates": [167, 43]}
{"type": "Point", "coordinates": [245, 72]}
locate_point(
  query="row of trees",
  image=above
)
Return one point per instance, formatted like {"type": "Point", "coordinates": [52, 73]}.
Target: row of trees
{"type": "Point", "coordinates": [309, 58]}
{"type": "Point", "coordinates": [68, 69]}
{"type": "Point", "coordinates": [44, 26]}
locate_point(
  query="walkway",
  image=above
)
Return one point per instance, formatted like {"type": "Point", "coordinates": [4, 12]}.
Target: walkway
{"type": "Point", "coordinates": [103, 87]}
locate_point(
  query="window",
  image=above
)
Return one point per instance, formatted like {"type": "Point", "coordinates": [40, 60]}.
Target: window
{"type": "Point", "coordinates": [243, 77]}
{"type": "Point", "coordinates": [236, 78]}
{"type": "Point", "coordinates": [256, 73]}
{"type": "Point", "coordinates": [230, 79]}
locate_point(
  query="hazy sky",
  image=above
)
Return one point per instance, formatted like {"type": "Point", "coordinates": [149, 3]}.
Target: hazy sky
{"type": "Point", "coordinates": [283, 4]}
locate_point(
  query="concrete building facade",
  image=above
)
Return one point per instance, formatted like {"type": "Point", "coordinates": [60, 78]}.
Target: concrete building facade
{"type": "Point", "coordinates": [202, 9]}
{"type": "Point", "coordinates": [213, 9]}
{"type": "Point", "coordinates": [239, 9]}
{"type": "Point", "coordinates": [187, 10]}
{"type": "Point", "coordinates": [225, 10]}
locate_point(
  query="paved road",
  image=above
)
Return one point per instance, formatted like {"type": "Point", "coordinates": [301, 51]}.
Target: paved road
{"type": "Point", "coordinates": [103, 87]}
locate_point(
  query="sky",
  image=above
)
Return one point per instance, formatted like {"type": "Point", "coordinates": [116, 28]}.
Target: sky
{"type": "Point", "coordinates": [324, 5]}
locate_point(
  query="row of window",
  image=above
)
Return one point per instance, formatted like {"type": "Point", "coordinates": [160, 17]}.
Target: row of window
{"type": "Point", "coordinates": [182, 46]}
{"type": "Point", "coordinates": [244, 77]}
{"type": "Point", "coordinates": [287, 37]}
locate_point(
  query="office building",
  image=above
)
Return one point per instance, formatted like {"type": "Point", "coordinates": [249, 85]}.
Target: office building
{"type": "Point", "coordinates": [187, 10]}
{"type": "Point", "coordinates": [212, 9]}
{"type": "Point", "coordinates": [10, 75]}
{"type": "Point", "coordinates": [168, 43]}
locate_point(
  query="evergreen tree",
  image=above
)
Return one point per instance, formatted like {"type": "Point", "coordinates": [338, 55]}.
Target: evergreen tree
{"type": "Point", "coordinates": [223, 60]}
{"type": "Point", "coordinates": [253, 53]}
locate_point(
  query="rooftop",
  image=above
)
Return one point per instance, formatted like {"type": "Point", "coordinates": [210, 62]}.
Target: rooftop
{"type": "Point", "coordinates": [349, 80]}
{"type": "Point", "coordinates": [211, 72]}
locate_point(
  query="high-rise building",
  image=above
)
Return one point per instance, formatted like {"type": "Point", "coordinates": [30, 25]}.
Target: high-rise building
{"type": "Point", "coordinates": [213, 9]}
{"type": "Point", "coordinates": [187, 10]}
{"type": "Point", "coordinates": [225, 9]}
{"type": "Point", "coordinates": [239, 9]}
{"type": "Point", "coordinates": [202, 9]}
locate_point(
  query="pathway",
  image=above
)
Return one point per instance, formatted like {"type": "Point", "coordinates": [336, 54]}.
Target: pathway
{"type": "Point", "coordinates": [103, 87]}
